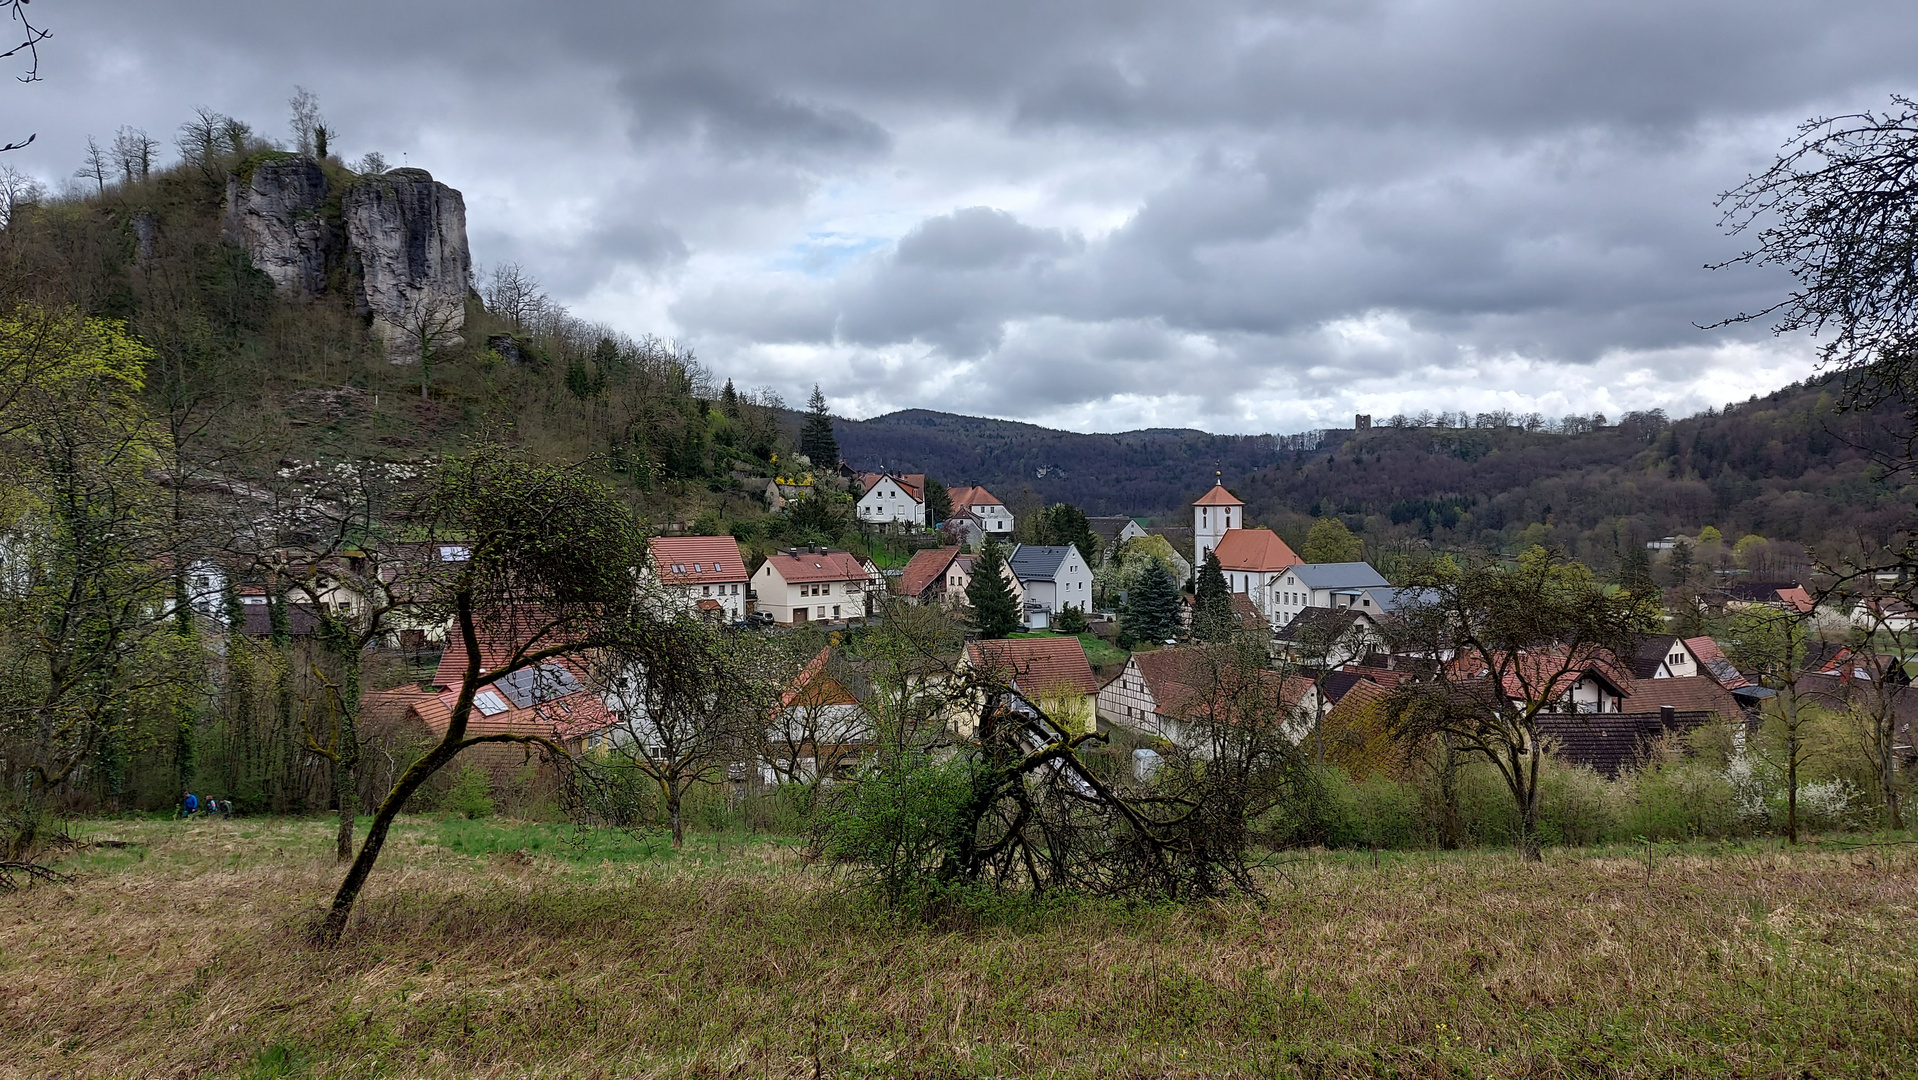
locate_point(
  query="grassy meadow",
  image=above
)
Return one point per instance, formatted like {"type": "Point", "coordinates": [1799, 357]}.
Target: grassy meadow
{"type": "Point", "coordinates": [506, 949]}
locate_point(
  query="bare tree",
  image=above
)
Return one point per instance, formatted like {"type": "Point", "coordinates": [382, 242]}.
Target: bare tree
{"type": "Point", "coordinates": [17, 189]}
{"type": "Point", "coordinates": [372, 164]}
{"type": "Point", "coordinates": [95, 166]}
{"type": "Point", "coordinates": [203, 140]}
{"type": "Point", "coordinates": [514, 295]}
{"type": "Point", "coordinates": [1770, 643]}
{"type": "Point", "coordinates": [27, 38]}
{"type": "Point", "coordinates": [431, 325]}
{"type": "Point", "coordinates": [338, 557]}
{"type": "Point", "coordinates": [133, 151]}
{"type": "Point", "coordinates": [691, 714]}
{"type": "Point", "coordinates": [306, 121]}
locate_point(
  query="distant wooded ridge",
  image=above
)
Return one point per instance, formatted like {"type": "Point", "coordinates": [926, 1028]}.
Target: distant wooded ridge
{"type": "Point", "coordinates": [1787, 466]}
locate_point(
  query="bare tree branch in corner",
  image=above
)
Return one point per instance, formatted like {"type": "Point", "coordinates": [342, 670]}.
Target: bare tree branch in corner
{"type": "Point", "coordinates": [29, 38]}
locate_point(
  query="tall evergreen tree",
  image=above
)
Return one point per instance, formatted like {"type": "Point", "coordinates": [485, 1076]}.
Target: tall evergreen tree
{"type": "Point", "coordinates": [729, 401]}
{"type": "Point", "coordinates": [1212, 606]}
{"type": "Point", "coordinates": [1635, 569]}
{"type": "Point", "coordinates": [816, 439]}
{"type": "Point", "coordinates": [938, 503]}
{"type": "Point", "coordinates": [1152, 606]}
{"type": "Point", "coordinates": [995, 611]}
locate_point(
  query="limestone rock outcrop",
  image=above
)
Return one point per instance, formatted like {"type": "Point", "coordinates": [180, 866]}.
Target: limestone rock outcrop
{"type": "Point", "coordinates": [407, 233]}
{"type": "Point", "coordinates": [397, 241]}
{"type": "Point", "coordinates": [275, 214]}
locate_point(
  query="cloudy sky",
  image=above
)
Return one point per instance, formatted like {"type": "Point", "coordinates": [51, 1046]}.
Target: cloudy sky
{"type": "Point", "coordinates": [1098, 215]}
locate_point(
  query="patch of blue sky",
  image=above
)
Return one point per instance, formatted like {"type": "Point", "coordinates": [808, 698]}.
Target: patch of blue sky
{"type": "Point", "coordinates": [824, 254]}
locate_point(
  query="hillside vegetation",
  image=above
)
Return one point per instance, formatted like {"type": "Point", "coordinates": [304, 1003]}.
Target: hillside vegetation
{"type": "Point", "coordinates": [247, 377]}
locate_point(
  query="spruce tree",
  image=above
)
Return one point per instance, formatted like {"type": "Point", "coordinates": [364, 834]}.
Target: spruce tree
{"type": "Point", "coordinates": [938, 503]}
{"type": "Point", "coordinates": [1212, 604]}
{"type": "Point", "coordinates": [816, 439]}
{"type": "Point", "coordinates": [1152, 606]}
{"type": "Point", "coordinates": [995, 611]}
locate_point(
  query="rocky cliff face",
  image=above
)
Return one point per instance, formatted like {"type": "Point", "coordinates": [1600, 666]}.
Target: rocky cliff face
{"type": "Point", "coordinates": [276, 216]}
{"type": "Point", "coordinates": [400, 238]}
{"type": "Point", "coordinates": [407, 232]}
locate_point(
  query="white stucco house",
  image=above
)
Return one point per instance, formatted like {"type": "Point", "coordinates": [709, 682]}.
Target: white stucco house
{"type": "Point", "coordinates": [892, 500]}
{"type": "Point", "coordinates": [1047, 580]}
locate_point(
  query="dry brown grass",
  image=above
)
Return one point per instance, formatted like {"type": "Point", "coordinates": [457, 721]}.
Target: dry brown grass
{"type": "Point", "coordinates": [184, 957]}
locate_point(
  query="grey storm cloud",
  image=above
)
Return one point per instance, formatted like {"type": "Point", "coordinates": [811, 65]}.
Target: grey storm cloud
{"type": "Point", "coordinates": [1242, 214]}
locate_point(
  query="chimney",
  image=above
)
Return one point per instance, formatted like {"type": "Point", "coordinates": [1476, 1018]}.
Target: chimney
{"type": "Point", "coordinates": [1668, 715]}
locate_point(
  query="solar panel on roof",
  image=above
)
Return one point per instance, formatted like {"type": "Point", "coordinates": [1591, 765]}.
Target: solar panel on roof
{"type": "Point", "coordinates": [531, 686]}
{"type": "Point", "coordinates": [489, 703]}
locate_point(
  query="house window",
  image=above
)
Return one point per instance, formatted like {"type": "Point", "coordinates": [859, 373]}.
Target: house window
{"type": "Point", "coordinates": [835, 611]}
{"type": "Point", "coordinates": [709, 590]}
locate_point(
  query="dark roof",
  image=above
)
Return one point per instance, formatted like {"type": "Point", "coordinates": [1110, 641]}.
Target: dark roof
{"type": "Point", "coordinates": [1338, 575]}
{"type": "Point", "coordinates": [1652, 651]}
{"type": "Point", "coordinates": [301, 620]}
{"type": "Point", "coordinates": [1609, 743]}
{"type": "Point", "coordinates": [1321, 624]}
{"type": "Point", "coordinates": [1037, 562]}
{"type": "Point", "coordinates": [1108, 528]}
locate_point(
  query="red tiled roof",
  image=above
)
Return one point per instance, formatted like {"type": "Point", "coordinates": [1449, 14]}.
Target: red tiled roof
{"type": "Point", "coordinates": [925, 569]}
{"type": "Point", "coordinates": [1716, 663]}
{"type": "Point", "coordinates": [704, 559]}
{"type": "Point", "coordinates": [1037, 666]}
{"type": "Point", "coordinates": [498, 639]}
{"type": "Point", "coordinates": [1176, 678]}
{"type": "Point", "coordinates": [826, 566]}
{"type": "Point", "coordinates": [1218, 496]}
{"type": "Point", "coordinates": [1254, 551]}
{"type": "Point", "coordinates": [561, 718]}
{"type": "Point", "coordinates": [1694, 693]}
{"type": "Point", "coordinates": [814, 687]}
{"type": "Point", "coordinates": [1796, 598]}
{"type": "Point", "coordinates": [965, 498]}
{"type": "Point", "coordinates": [1539, 673]}
{"type": "Point", "coordinates": [913, 484]}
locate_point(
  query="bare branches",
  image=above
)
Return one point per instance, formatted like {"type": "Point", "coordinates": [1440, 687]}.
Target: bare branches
{"type": "Point", "coordinates": [1839, 211]}
{"type": "Point", "coordinates": [29, 38]}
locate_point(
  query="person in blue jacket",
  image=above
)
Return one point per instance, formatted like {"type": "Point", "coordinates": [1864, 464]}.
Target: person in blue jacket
{"type": "Point", "coordinates": [192, 804]}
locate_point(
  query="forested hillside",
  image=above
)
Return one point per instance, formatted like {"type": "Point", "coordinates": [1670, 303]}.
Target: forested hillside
{"type": "Point", "coordinates": [1788, 467]}
{"type": "Point", "coordinates": [1154, 472]}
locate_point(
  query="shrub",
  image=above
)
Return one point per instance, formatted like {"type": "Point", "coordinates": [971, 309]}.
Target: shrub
{"type": "Point", "coordinates": [1072, 620]}
{"type": "Point", "coordinates": [471, 795]}
{"type": "Point", "coordinates": [896, 824]}
{"type": "Point", "coordinates": [1681, 799]}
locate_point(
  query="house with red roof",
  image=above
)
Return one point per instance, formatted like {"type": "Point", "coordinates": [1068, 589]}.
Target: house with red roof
{"type": "Point", "coordinates": [705, 573]}
{"type": "Point", "coordinates": [1160, 693]}
{"type": "Point", "coordinates": [885, 499]}
{"type": "Point", "coordinates": [977, 514]}
{"type": "Point", "coordinates": [935, 575]}
{"type": "Point", "coordinates": [815, 585]}
{"type": "Point", "coordinates": [1050, 672]}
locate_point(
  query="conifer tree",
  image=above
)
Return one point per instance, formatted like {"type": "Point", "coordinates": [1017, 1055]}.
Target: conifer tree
{"type": "Point", "coordinates": [816, 438]}
{"type": "Point", "coordinates": [1152, 607]}
{"type": "Point", "coordinates": [1212, 606]}
{"type": "Point", "coordinates": [995, 611]}
{"type": "Point", "coordinates": [938, 503]}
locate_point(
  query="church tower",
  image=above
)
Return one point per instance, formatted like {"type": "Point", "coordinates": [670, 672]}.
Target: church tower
{"type": "Point", "coordinates": [1214, 512]}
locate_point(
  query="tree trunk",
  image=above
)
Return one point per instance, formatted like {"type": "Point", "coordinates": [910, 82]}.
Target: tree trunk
{"type": "Point", "coordinates": [1528, 808]}
{"type": "Point", "coordinates": [335, 924]}
{"type": "Point", "coordinates": [1791, 791]}
{"type": "Point", "coordinates": [347, 791]}
{"type": "Point", "coordinates": [672, 810]}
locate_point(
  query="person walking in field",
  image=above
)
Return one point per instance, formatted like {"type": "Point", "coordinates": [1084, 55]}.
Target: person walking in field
{"type": "Point", "coordinates": [190, 805]}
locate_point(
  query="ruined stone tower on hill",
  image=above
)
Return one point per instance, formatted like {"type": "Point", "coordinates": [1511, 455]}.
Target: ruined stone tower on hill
{"type": "Point", "coordinates": [394, 242]}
